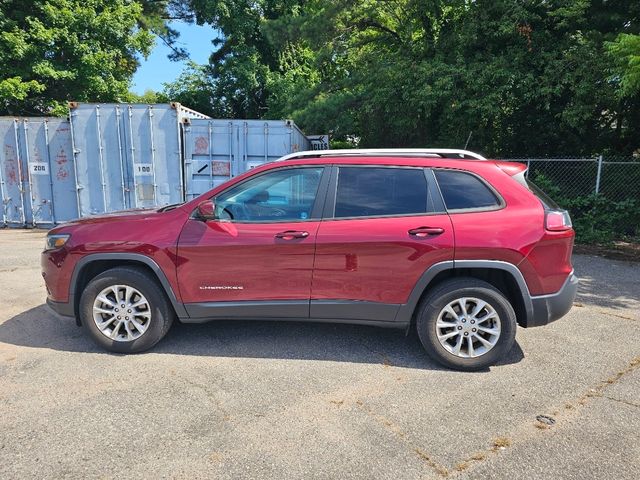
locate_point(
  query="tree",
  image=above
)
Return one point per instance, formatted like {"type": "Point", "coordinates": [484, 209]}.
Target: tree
{"type": "Point", "coordinates": [52, 51]}
{"type": "Point", "coordinates": [149, 96]}
{"type": "Point", "coordinates": [193, 89]}
{"type": "Point", "coordinates": [239, 73]}
{"type": "Point", "coordinates": [523, 78]}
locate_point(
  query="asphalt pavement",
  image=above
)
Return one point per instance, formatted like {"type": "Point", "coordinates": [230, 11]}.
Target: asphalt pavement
{"type": "Point", "coordinates": [239, 399]}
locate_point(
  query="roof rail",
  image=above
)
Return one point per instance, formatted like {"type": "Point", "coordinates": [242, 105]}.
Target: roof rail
{"type": "Point", "coordinates": [397, 152]}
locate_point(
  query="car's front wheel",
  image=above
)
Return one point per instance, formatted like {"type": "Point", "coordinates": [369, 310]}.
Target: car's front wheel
{"type": "Point", "coordinates": [466, 324]}
{"type": "Point", "coordinates": [125, 310]}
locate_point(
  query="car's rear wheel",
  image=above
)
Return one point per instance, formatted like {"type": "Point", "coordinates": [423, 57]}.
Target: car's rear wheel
{"type": "Point", "coordinates": [125, 310]}
{"type": "Point", "coordinates": [466, 324]}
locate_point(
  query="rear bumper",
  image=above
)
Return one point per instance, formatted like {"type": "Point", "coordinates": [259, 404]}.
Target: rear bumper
{"type": "Point", "coordinates": [548, 308]}
{"type": "Point", "coordinates": [61, 308]}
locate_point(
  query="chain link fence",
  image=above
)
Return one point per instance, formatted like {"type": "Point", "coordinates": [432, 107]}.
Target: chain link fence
{"type": "Point", "coordinates": [615, 178]}
{"type": "Point", "coordinates": [601, 193]}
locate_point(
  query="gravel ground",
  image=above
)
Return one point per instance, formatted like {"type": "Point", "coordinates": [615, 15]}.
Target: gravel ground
{"type": "Point", "coordinates": [285, 400]}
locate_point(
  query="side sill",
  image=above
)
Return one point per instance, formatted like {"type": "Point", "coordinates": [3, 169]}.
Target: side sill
{"type": "Point", "coordinates": [325, 310]}
{"type": "Point", "coordinates": [355, 310]}
{"type": "Point", "coordinates": [349, 321]}
{"type": "Point", "coordinates": [279, 310]}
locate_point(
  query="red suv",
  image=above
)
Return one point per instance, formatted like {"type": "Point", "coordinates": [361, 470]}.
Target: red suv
{"type": "Point", "coordinates": [461, 248]}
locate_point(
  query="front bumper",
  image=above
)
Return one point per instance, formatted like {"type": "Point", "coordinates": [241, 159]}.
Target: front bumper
{"type": "Point", "coordinates": [548, 308]}
{"type": "Point", "coordinates": [61, 308]}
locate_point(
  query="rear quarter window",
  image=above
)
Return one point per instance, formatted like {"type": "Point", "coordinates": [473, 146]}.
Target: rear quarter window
{"type": "Point", "coordinates": [462, 191]}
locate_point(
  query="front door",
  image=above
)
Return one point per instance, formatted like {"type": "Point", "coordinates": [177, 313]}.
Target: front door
{"type": "Point", "coordinates": [256, 258]}
{"type": "Point", "coordinates": [383, 228]}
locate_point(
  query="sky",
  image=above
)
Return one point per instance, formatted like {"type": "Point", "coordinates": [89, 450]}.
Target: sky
{"type": "Point", "coordinates": [158, 69]}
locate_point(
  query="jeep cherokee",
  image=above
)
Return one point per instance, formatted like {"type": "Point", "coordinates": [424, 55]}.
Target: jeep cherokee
{"type": "Point", "coordinates": [460, 248]}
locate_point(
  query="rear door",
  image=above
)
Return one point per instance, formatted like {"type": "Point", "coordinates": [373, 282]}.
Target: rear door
{"type": "Point", "coordinates": [383, 227]}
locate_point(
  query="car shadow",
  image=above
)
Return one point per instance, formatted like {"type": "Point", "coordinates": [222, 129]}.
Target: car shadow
{"type": "Point", "coordinates": [607, 283]}
{"type": "Point", "coordinates": [618, 296]}
{"type": "Point", "coordinates": [39, 327]}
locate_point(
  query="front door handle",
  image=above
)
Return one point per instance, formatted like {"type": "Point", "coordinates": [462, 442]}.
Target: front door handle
{"type": "Point", "coordinates": [426, 231]}
{"type": "Point", "coordinates": [291, 234]}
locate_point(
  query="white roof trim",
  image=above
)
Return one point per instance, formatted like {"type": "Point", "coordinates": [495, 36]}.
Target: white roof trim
{"type": "Point", "coordinates": [397, 152]}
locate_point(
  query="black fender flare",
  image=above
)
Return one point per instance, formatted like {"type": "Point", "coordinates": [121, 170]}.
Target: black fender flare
{"type": "Point", "coordinates": [130, 257]}
{"type": "Point", "coordinates": [406, 311]}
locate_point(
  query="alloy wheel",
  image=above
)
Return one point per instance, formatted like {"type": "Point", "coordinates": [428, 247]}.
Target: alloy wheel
{"type": "Point", "coordinates": [121, 313]}
{"type": "Point", "coordinates": [468, 327]}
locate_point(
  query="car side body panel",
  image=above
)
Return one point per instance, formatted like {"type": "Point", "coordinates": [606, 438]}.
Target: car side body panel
{"type": "Point", "coordinates": [231, 262]}
{"type": "Point", "coordinates": [145, 233]}
{"type": "Point", "coordinates": [377, 259]}
{"type": "Point", "coordinates": [514, 233]}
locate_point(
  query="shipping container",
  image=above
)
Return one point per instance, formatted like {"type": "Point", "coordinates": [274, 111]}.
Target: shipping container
{"type": "Point", "coordinates": [128, 155]}
{"type": "Point", "coordinates": [217, 149]}
{"type": "Point", "coordinates": [109, 157]}
{"type": "Point", "coordinates": [37, 181]}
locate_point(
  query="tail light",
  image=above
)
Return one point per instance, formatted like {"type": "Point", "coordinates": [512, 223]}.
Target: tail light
{"type": "Point", "coordinates": [557, 220]}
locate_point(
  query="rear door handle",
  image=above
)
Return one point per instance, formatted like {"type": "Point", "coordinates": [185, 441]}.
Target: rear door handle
{"type": "Point", "coordinates": [426, 231]}
{"type": "Point", "coordinates": [291, 234]}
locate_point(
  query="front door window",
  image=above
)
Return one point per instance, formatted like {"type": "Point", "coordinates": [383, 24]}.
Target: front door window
{"type": "Point", "coordinates": [284, 195]}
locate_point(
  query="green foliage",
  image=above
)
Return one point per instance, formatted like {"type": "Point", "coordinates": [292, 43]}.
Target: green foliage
{"type": "Point", "coordinates": [626, 53]}
{"type": "Point", "coordinates": [600, 220]}
{"type": "Point", "coordinates": [342, 144]}
{"type": "Point", "coordinates": [239, 72]}
{"type": "Point", "coordinates": [193, 89]}
{"type": "Point", "coordinates": [52, 51]}
{"type": "Point", "coordinates": [149, 96]}
{"type": "Point", "coordinates": [596, 218]}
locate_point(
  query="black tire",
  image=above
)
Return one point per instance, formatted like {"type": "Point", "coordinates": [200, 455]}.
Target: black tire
{"type": "Point", "coordinates": [162, 314]}
{"type": "Point", "coordinates": [448, 291]}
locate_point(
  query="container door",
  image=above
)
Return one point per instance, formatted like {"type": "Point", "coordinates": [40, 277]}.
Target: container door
{"type": "Point", "coordinates": [35, 138]}
{"type": "Point", "coordinates": [154, 155]}
{"type": "Point", "coordinates": [98, 152]}
{"type": "Point", "coordinates": [261, 142]}
{"type": "Point", "coordinates": [208, 155]}
{"type": "Point", "coordinates": [255, 145]}
{"type": "Point", "coordinates": [141, 168]}
{"type": "Point", "coordinates": [12, 180]}
{"type": "Point", "coordinates": [216, 150]}
{"type": "Point", "coordinates": [127, 156]}
{"type": "Point", "coordinates": [62, 170]}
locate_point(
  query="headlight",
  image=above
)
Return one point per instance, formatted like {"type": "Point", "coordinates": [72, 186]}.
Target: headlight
{"type": "Point", "coordinates": [55, 241]}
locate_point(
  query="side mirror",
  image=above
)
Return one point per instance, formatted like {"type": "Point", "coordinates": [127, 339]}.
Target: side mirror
{"type": "Point", "coordinates": [206, 210]}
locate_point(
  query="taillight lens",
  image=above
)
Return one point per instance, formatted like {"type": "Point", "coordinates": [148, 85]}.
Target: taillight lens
{"type": "Point", "coordinates": [557, 220]}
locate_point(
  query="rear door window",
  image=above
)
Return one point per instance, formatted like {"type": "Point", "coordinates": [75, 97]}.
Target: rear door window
{"type": "Point", "coordinates": [464, 191]}
{"type": "Point", "coordinates": [381, 191]}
